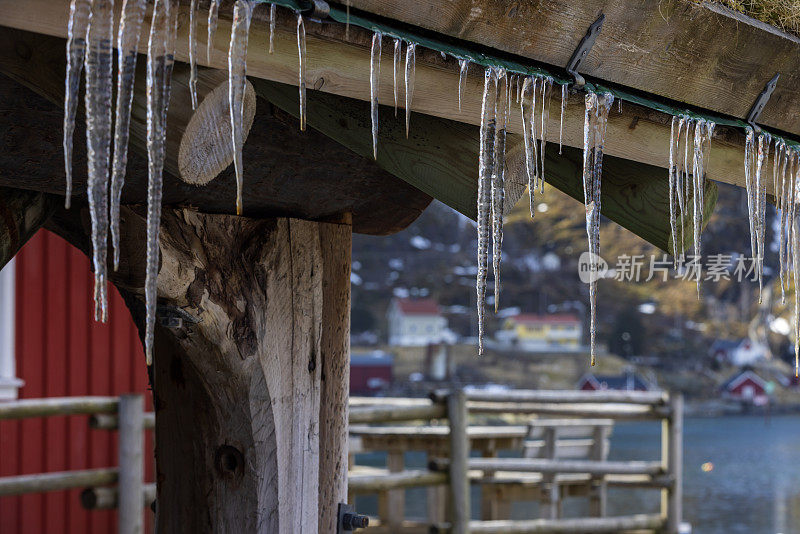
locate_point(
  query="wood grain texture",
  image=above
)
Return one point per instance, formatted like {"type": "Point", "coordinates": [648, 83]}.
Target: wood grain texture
{"type": "Point", "coordinates": [699, 53]}
{"type": "Point", "coordinates": [336, 246]}
{"type": "Point", "coordinates": [340, 66]}
{"type": "Point", "coordinates": [238, 386]}
{"type": "Point", "coordinates": [287, 172]}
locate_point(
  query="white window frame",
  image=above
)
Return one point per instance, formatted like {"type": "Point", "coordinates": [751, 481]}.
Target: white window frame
{"type": "Point", "coordinates": [9, 383]}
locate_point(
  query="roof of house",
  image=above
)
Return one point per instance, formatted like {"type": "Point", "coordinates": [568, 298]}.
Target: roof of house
{"type": "Point", "coordinates": [418, 306]}
{"type": "Point", "coordinates": [376, 357]}
{"type": "Point", "coordinates": [530, 318]}
{"type": "Point", "coordinates": [740, 377]}
{"type": "Point", "coordinates": [616, 381]}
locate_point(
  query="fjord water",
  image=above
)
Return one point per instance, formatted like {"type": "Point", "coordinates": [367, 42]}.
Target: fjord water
{"type": "Point", "coordinates": [754, 486]}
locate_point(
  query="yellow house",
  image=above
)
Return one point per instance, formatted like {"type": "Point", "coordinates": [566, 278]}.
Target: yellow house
{"type": "Point", "coordinates": [539, 332]}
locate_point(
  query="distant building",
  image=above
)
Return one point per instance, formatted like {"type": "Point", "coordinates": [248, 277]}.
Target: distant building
{"type": "Point", "coordinates": [742, 352]}
{"type": "Point", "coordinates": [542, 332]}
{"type": "Point", "coordinates": [370, 371]}
{"type": "Point", "coordinates": [722, 349]}
{"type": "Point", "coordinates": [745, 386]}
{"type": "Point", "coordinates": [627, 381]}
{"type": "Point", "coordinates": [417, 323]}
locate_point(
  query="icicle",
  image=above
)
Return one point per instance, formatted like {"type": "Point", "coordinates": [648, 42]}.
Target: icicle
{"type": "Point", "coordinates": [99, 78]}
{"type": "Point", "coordinates": [701, 129]}
{"type": "Point", "coordinates": [347, 21]}
{"type": "Point", "coordinates": [796, 271]}
{"type": "Point", "coordinates": [764, 140]}
{"type": "Point", "coordinates": [463, 68]}
{"type": "Point", "coordinates": [749, 182]}
{"type": "Point", "coordinates": [237, 80]}
{"type": "Point", "coordinates": [213, 15]}
{"type": "Point", "coordinates": [160, 59]}
{"type": "Point", "coordinates": [564, 96]}
{"type": "Point", "coordinates": [526, 137]}
{"type": "Point", "coordinates": [374, 81]}
{"type": "Point", "coordinates": [193, 52]}
{"type": "Point", "coordinates": [687, 182]}
{"type": "Point", "coordinates": [547, 94]}
{"type": "Point", "coordinates": [594, 130]}
{"type": "Point", "coordinates": [127, 51]}
{"type": "Point", "coordinates": [781, 202]}
{"type": "Point", "coordinates": [398, 51]}
{"type": "Point", "coordinates": [502, 104]}
{"type": "Point", "coordinates": [673, 193]}
{"type": "Point", "coordinates": [485, 170]}
{"type": "Point", "coordinates": [77, 30]}
{"type": "Point", "coordinates": [301, 53]}
{"type": "Point", "coordinates": [534, 140]}
{"type": "Point", "coordinates": [680, 178]}
{"type": "Point", "coordinates": [272, 19]}
{"type": "Point", "coordinates": [411, 74]}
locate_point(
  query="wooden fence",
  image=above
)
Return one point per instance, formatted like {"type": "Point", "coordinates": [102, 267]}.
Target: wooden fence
{"type": "Point", "coordinates": [542, 475]}
{"type": "Point", "coordinates": [451, 469]}
{"type": "Point", "coordinates": [120, 487]}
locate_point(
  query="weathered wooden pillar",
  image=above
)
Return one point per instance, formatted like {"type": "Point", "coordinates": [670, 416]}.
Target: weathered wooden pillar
{"type": "Point", "coordinates": [250, 374]}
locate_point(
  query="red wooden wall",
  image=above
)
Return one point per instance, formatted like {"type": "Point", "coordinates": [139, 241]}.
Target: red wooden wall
{"type": "Point", "coordinates": [61, 351]}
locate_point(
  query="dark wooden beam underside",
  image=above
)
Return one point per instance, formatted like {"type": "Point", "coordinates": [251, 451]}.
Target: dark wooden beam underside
{"type": "Point", "coordinates": [287, 172]}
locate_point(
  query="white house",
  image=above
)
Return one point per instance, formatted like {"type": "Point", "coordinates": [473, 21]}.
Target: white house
{"type": "Point", "coordinates": [417, 322]}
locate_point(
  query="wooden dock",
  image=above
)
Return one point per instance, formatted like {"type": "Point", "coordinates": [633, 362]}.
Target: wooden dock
{"type": "Point", "coordinates": [563, 453]}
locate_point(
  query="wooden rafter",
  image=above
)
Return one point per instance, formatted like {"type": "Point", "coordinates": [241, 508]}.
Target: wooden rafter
{"type": "Point", "coordinates": [341, 67]}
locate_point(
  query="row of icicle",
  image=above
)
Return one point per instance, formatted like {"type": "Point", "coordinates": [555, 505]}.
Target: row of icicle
{"type": "Point", "coordinates": [90, 45]}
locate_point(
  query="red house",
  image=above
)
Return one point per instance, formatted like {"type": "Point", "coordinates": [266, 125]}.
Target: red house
{"type": "Point", "coordinates": [746, 386]}
{"type": "Point", "coordinates": [50, 346]}
{"type": "Point", "coordinates": [370, 372]}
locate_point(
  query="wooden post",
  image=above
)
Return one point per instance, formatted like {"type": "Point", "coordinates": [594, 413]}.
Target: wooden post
{"type": "Point", "coordinates": [551, 490]}
{"type": "Point", "coordinates": [672, 459]}
{"type": "Point", "coordinates": [459, 458]}
{"type": "Point", "coordinates": [131, 464]}
{"type": "Point", "coordinates": [395, 498]}
{"type": "Point", "coordinates": [599, 491]}
{"type": "Point", "coordinates": [238, 391]}
{"type": "Point", "coordinates": [336, 245]}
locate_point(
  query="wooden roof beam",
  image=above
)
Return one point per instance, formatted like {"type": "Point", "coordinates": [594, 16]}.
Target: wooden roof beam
{"type": "Point", "coordinates": [342, 67]}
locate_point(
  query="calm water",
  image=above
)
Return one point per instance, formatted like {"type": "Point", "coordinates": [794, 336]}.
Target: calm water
{"type": "Point", "coordinates": [754, 487]}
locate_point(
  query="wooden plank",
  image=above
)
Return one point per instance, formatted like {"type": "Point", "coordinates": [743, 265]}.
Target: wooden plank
{"type": "Point", "coordinates": [335, 247]}
{"type": "Point", "coordinates": [613, 410]}
{"type": "Point", "coordinates": [409, 478]}
{"type": "Point", "coordinates": [569, 396]}
{"type": "Point", "coordinates": [131, 464]}
{"type": "Point", "coordinates": [587, 524]}
{"type": "Point", "coordinates": [672, 458]}
{"type": "Point", "coordinates": [57, 406]}
{"type": "Point", "coordinates": [44, 482]}
{"type": "Point", "coordinates": [459, 459]}
{"type": "Point", "coordinates": [700, 53]}
{"type": "Point", "coordinates": [341, 67]}
{"type": "Point", "coordinates": [385, 414]}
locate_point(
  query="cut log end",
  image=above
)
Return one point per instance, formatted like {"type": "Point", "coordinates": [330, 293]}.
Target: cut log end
{"type": "Point", "coordinates": [206, 148]}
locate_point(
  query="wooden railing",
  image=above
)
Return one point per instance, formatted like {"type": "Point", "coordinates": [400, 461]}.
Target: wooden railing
{"type": "Point", "coordinates": [451, 470]}
{"type": "Point", "coordinates": [125, 414]}
{"type": "Point", "coordinates": [546, 478]}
